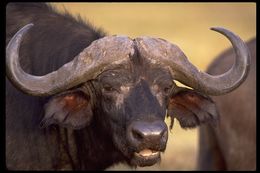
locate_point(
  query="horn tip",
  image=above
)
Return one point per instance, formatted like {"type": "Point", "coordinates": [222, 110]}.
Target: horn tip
{"type": "Point", "coordinates": [29, 25]}
{"type": "Point", "coordinates": [221, 30]}
{"type": "Point", "coordinates": [26, 28]}
{"type": "Point", "coordinates": [217, 28]}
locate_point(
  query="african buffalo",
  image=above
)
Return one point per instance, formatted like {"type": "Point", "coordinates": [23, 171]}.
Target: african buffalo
{"type": "Point", "coordinates": [89, 100]}
{"type": "Point", "coordinates": [232, 146]}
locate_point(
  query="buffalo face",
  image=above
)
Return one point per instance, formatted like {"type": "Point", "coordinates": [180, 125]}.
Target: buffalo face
{"type": "Point", "coordinates": [136, 104]}
{"type": "Point", "coordinates": [127, 85]}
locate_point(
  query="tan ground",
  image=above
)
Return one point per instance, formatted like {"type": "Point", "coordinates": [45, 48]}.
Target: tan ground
{"type": "Point", "coordinates": [184, 24]}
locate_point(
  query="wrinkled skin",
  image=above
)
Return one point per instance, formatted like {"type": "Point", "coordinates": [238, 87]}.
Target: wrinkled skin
{"type": "Point", "coordinates": [232, 145]}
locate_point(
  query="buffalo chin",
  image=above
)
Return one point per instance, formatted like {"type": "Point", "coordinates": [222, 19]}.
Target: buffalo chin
{"type": "Point", "coordinates": [141, 161]}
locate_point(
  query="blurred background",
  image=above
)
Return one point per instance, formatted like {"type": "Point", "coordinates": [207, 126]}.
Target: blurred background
{"type": "Point", "coordinates": [184, 24]}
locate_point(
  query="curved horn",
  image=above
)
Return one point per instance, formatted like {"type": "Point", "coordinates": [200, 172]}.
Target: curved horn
{"type": "Point", "coordinates": [93, 60]}
{"type": "Point", "coordinates": [162, 52]}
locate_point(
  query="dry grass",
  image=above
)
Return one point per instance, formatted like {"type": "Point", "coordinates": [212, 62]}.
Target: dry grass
{"type": "Point", "coordinates": [184, 24]}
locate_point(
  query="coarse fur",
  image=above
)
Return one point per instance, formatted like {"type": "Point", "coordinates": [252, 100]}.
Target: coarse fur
{"type": "Point", "coordinates": [23, 122]}
{"type": "Point", "coordinates": [54, 40]}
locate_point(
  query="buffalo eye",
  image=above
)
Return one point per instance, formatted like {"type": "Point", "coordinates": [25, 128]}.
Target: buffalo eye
{"type": "Point", "coordinates": [167, 90]}
{"type": "Point", "coordinates": [109, 88]}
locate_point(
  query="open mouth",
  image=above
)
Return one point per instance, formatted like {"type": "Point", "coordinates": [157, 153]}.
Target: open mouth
{"type": "Point", "coordinates": [146, 157]}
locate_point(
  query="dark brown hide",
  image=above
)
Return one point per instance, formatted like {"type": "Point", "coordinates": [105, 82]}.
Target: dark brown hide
{"type": "Point", "coordinates": [43, 50]}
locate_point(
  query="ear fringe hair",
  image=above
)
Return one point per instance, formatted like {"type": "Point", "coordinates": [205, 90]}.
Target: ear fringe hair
{"type": "Point", "coordinates": [172, 122]}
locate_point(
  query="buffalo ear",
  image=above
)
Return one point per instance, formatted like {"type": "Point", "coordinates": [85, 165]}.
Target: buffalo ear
{"type": "Point", "coordinates": [69, 109]}
{"type": "Point", "coordinates": [191, 108]}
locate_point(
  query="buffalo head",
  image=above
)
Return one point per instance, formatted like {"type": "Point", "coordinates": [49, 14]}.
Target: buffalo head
{"type": "Point", "coordinates": [125, 86]}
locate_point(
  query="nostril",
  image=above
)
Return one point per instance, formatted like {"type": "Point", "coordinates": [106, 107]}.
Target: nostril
{"type": "Point", "coordinates": [137, 135]}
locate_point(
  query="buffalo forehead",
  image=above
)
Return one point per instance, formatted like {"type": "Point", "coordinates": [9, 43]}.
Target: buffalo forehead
{"type": "Point", "coordinates": [110, 49]}
{"type": "Point", "coordinates": [157, 50]}
{"type": "Point", "coordinates": [119, 50]}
